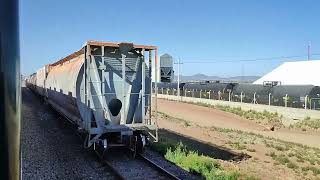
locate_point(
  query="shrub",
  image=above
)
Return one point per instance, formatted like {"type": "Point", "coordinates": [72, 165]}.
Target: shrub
{"type": "Point", "coordinates": [282, 159]}
{"type": "Point", "coordinates": [251, 150]}
{"type": "Point", "coordinates": [198, 164]}
{"type": "Point", "coordinates": [292, 165]}
{"type": "Point", "coordinates": [308, 123]}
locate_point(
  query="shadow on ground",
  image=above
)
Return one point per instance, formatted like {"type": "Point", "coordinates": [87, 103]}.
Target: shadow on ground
{"type": "Point", "coordinates": [201, 147]}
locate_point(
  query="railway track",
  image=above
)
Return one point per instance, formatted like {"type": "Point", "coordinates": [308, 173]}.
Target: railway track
{"type": "Point", "coordinates": [141, 167]}
{"type": "Point", "coordinates": [158, 167]}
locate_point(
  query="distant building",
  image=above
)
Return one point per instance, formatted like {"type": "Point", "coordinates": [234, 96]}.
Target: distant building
{"type": "Point", "coordinates": [166, 68]}
{"type": "Point", "coordinates": [294, 73]}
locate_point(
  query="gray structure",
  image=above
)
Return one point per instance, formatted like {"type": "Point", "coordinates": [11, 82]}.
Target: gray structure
{"type": "Point", "coordinates": [105, 89]}
{"type": "Point", "coordinates": [166, 68]}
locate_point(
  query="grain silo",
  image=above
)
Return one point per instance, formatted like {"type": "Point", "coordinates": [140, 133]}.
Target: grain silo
{"type": "Point", "coordinates": [166, 68]}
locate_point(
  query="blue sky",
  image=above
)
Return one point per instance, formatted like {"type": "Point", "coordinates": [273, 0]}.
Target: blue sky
{"type": "Point", "coordinates": [202, 30]}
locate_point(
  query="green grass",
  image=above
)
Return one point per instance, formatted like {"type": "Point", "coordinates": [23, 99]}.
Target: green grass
{"type": "Point", "coordinates": [292, 165]}
{"type": "Point", "coordinates": [293, 155]}
{"type": "Point", "coordinates": [237, 145]}
{"type": "Point", "coordinates": [308, 123]}
{"type": "Point", "coordinates": [282, 159]}
{"type": "Point", "coordinates": [251, 150]}
{"type": "Point", "coordinates": [273, 118]}
{"type": "Point", "coordinates": [315, 170]}
{"type": "Point", "coordinates": [193, 162]}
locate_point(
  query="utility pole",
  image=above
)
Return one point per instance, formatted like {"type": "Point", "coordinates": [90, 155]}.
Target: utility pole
{"type": "Point", "coordinates": [178, 87]}
{"type": "Point", "coordinates": [309, 46]}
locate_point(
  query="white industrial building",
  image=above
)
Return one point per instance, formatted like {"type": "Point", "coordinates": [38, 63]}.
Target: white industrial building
{"type": "Point", "coordinates": [294, 73]}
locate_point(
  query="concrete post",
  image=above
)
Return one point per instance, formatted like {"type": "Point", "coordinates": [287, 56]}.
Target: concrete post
{"type": "Point", "coordinates": [209, 94]}
{"type": "Point", "coordinates": [161, 90]}
{"type": "Point", "coordinates": [219, 93]}
{"type": "Point", "coordinates": [241, 95]}
{"type": "Point", "coordinates": [254, 98]}
{"type": "Point", "coordinates": [229, 96]}
{"type": "Point", "coordinates": [200, 93]}
{"type": "Point", "coordinates": [286, 101]}
{"type": "Point", "coordinates": [192, 92]}
{"type": "Point", "coordinates": [185, 92]}
{"type": "Point", "coordinates": [269, 99]}
{"type": "Point", "coordinates": [306, 102]}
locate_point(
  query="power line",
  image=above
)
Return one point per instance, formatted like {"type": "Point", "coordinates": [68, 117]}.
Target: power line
{"type": "Point", "coordinates": [250, 60]}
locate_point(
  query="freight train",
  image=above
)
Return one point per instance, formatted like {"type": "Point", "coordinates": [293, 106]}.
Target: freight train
{"type": "Point", "coordinates": [297, 96]}
{"type": "Point", "coordinates": [105, 89]}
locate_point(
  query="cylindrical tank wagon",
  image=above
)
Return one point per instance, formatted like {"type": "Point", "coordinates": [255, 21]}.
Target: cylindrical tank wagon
{"type": "Point", "coordinates": [304, 96]}
{"type": "Point", "coordinates": [208, 89]}
{"type": "Point", "coordinates": [105, 89]}
{"type": "Point", "coordinates": [251, 93]}
{"type": "Point", "coordinates": [297, 96]}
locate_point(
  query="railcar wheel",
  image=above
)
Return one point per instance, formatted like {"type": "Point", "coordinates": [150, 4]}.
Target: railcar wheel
{"type": "Point", "coordinates": [140, 145]}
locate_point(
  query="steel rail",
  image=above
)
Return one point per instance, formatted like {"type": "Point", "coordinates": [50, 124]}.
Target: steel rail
{"type": "Point", "coordinates": [156, 166]}
{"type": "Point", "coordinates": [117, 174]}
{"type": "Point", "coordinates": [105, 162]}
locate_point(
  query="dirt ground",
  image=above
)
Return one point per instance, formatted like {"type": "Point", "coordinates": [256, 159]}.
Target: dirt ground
{"type": "Point", "coordinates": [213, 117]}
{"type": "Point", "coordinates": [270, 158]}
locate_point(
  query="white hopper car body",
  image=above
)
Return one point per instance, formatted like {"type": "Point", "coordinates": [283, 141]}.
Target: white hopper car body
{"type": "Point", "coordinates": [105, 89]}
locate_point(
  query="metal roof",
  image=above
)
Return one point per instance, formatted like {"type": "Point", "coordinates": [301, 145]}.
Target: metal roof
{"type": "Point", "coordinates": [101, 43]}
{"type": "Point", "coordinates": [116, 44]}
{"type": "Point", "coordinates": [295, 73]}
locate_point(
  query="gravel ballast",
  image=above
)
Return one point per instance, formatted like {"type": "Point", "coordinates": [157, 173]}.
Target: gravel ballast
{"type": "Point", "coordinates": [50, 148]}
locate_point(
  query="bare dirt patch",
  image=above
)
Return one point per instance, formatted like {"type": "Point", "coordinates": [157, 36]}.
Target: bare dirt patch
{"type": "Point", "coordinates": [208, 117]}
{"type": "Point", "coordinates": [270, 158]}
{"type": "Point", "coordinates": [286, 153]}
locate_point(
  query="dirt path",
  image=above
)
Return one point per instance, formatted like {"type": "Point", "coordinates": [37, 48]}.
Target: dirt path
{"type": "Point", "coordinates": [212, 117]}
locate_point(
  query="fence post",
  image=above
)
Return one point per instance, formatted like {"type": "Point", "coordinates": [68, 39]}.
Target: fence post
{"type": "Point", "coordinates": [200, 93]}
{"type": "Point", "coordinates": [185, 92]}
{"type": "Point", "coordinates": [229, 96]}
{"type": "Point", "coordinates": [209, 94]}
{"type": "Point", "coordinates": [254, 98]}
{"type": "Point", "coordinates": [161, 90]}
{"type": "Point", "coordinates": [173, 91]}
{"type": "Point", "coordinates": [219, 93]}
{"type": "Point", "coordinates": [192, 92]}
{"type": "Point", "coordinates": [306, 102]}
{"type": "Point", "coordinates": [241, 94]}
{"type": "Point", "coordinates": [310, 103]}
{"type": "Point", "coordinates": [167, 91]}
{"type": "Point", "coordinates": [286, 101]}
{"type": "Point", "coordinates": [269, 99]}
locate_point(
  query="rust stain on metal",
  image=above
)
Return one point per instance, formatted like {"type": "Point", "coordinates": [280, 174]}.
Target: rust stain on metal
{"type": "Point", "coordinates": [112, 44]}
{"type": "Point", "coordinates": [98, 43]}
{"type": "Point", "coordinates": [71, 56]}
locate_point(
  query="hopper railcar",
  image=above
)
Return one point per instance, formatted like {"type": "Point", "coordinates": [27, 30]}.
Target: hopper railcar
{"type": "Point", "coordinates": [105, 89]}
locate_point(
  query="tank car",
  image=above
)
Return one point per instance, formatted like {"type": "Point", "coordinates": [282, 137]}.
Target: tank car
{"type": "Point", "coordinates": [212, 90]}
{"type": "Point", "coordinates": [169, 88]}
{"type": "Point", "coordinates": [297, 96]}
{"type": "Point", "coordinates": [105, 89]}
{"type": "Point", "coordinates": [251, 93]}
